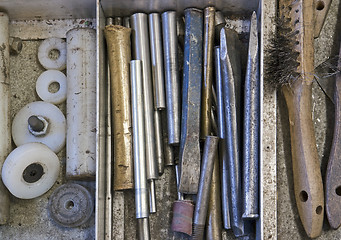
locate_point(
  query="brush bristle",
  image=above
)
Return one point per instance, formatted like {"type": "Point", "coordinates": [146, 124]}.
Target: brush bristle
{"type": "Point", "coordinates": [281, 59]}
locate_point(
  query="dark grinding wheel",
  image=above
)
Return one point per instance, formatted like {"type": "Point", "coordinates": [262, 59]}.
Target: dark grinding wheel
{"type": "Point", "coordinates": [71, 205]}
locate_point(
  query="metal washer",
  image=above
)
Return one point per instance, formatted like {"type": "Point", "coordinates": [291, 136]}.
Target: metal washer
{"type": "Point", "coordinates": [71, 205]}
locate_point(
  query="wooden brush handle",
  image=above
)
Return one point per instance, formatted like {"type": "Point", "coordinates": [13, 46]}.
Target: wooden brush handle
{"type": "Point", "coordinates": [333, 175]}
{"type": "Point", "coordinates": [306, 168]}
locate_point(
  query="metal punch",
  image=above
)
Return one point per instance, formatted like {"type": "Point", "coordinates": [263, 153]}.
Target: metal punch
{"type": "Point", "coordinates": [225, 195]}
{"type": "Point", "coordinates": [173, 96]}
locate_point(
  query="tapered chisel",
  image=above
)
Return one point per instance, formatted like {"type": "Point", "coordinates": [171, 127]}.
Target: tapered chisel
{"type": "Point", "coordinates": [190, 125]}
{"type": "Point", "coordinates": [251, 127]}
{"type": "Point", "coordinates": [222, 144]}
{"type": "Point", "coordinates": [231, 79]}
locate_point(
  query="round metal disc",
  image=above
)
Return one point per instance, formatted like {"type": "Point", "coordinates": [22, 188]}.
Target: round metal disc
{"type": "Point", "coordinates": [71, 205]}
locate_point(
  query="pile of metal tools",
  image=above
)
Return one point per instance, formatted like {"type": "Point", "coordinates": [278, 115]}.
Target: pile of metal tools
{"type": "Point", "coordinates": [206, 114]}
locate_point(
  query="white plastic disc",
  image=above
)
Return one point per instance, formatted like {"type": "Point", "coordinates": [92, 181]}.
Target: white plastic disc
{"type": "Point", "coordinates": [56, 129]}
{"type": "Point", "coordinates": [45, 80]}
{"type": "Point", "coordinates": [30, 170]}
{"type": "Point", "coordinates": [44, 50]}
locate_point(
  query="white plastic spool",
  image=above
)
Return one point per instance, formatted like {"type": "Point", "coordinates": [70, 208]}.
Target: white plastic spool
{"type": "Point", "coordinates": [17, 166]}
{"type": "Point", "coordinates": [44, 50]}
{"type": "Point", "coordinates": [81, 104]}
{"type": "Point", "coordinates": [54, 137]}
{"type": "Point", "coordinates": [45, 80]}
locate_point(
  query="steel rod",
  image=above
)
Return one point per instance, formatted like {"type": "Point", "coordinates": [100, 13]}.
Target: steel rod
{"type": "Point", "coordinates": [173, 96]}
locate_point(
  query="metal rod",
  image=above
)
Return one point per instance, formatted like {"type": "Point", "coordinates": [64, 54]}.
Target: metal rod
{"type": "Point", "coordinates": [143, 232]}
{"type": "Point", "coordinates": [5, 117]}
{"type": "Point", "coordinates": [140, 177]}
{"type": "Point", "coordinates": [225, 195]}
{"type": "Point", "coordinates": [159, 142]}
{"type": "Point", "coordinates": [108, 165]}
{"type": "Point", "coordinates": [167, 148]}
{"type": "Point", "coordinates": [201, 206]}
{"type": "Point", "coordinates": [231, 79]}
{"type": "Point", "coordinates": [173, 96]}
{"type": "Point", "coordinates": [191, 92]}
{"type": "Point", "coordinates": [118, 21]}
{"type": "Point", "coordinates": [126, 22]}
{"type": "Point", "coordinates": [119, 53]}
{"type": "Point", "coordinates": [206, 99]}
{"type": "Point", "coordinates": [156, 60]}
{"type": "Point", "coordinates": [141, 52]}
{"type": "Point", "coordinates": [251, 127]}
{"type": "Point", "coordinates": [214, 221]}
{"type": "Point", "coordinates": [177, 177]}
{"type": "Point", "coordinates": [152, 196]}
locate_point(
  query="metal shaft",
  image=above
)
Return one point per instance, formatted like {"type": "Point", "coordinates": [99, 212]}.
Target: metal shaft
{"type": "Point", "coordinates": [118, 21]}
{"type": "Point", "coordinates": [177, 176]}
{"type": "Point", "coordinates": [201, 206]}
{"type": "Point", "coordinates": [126, 22]}
{"type": "Point", "coordinates": [157, 60]}
{"type": "Point", "coordinates": [109, 157]}
{"type": "Point", "coordinates": [159, 142]}
{"type": "Point", "coordinates": [5, 116]}
{"type": "Point", "coordinates": [168, 151]}
{"type": "Point", "coordinates": [118, 44]}
{"type": "Point", "coordinates": [191, 92]}
{"type": "Point", "coordinates": [141, 52]}
{"type": "Point", "coordinates": [251, 127]}
{"type": "Point", "coordinates": [206, 99]}
{"type": "Point", "coordinates": [214, 221]}
{"type": "Point", "coordinates": [143, 232]}
{"type": "Point", "coordinates": [222, 144]}
{"type": "Point", "coordinates": [140, 177]}
{"type": "Point", "coordinates": [231, 79]}
{"type": "Point", "coordinates": [173, 96]}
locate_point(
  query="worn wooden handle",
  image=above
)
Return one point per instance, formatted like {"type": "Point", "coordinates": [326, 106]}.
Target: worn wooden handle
{"type": "Point", "coordinates": [333, 175]}
{"type": "Point", "coordinates": [308, 186]}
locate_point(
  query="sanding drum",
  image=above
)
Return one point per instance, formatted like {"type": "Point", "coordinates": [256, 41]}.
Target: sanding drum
{"type": "Point", "coordinates": [5, 121]}
{"type": "Point", "coordinates": [119, 53]}
{"type": "Point", "coordinates": [81, 104]}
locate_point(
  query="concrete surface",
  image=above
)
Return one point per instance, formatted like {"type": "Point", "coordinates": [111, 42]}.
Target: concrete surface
{"type": "Point", "coordinates": [289, 224]}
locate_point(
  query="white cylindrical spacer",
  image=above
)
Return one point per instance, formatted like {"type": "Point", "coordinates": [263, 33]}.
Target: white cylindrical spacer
{"type": "Point", "coordinates": [45, 49]}
{"type": "Point", "coordinates": [54, 136]}
{"type": "Point", "coordinates": [45, 80]}
{"type": "Point", "coordinates": [30, 170]}
{"type": "Point", "coordinates": [81, 104]}
{"type": "Point", "coordinates": [5, 106]}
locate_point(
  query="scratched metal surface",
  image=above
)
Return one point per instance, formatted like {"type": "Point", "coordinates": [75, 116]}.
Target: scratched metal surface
{"type": "Point", "coordinates": [289, 225]}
